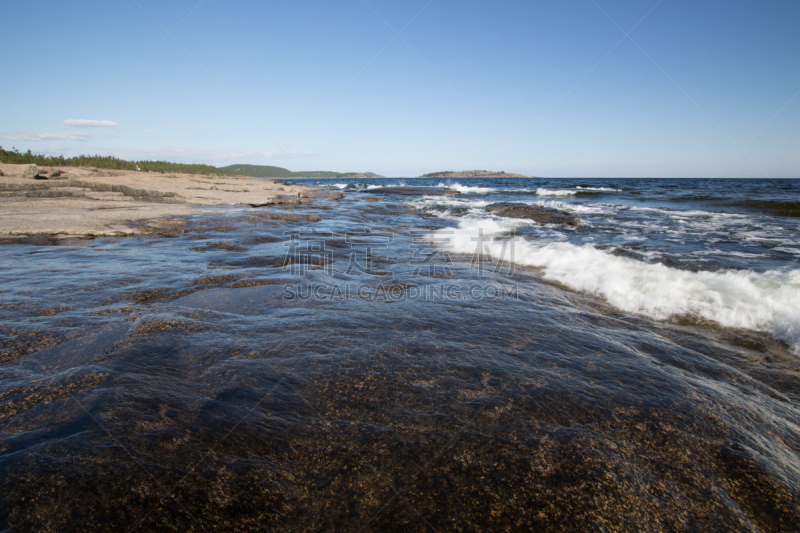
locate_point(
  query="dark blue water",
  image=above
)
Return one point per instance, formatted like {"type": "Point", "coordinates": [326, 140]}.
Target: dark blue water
{"type": "Point", "coordinates": [708, 224]}
{"type": "Point", "coordinates": [367, 364]}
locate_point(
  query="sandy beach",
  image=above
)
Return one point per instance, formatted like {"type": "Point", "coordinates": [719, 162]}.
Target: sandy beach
{"type": "Point", "coordinates": [79, 201]}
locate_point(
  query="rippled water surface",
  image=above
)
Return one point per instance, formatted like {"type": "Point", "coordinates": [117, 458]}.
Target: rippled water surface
{"type": "Point", "coordinates": [355, 365]}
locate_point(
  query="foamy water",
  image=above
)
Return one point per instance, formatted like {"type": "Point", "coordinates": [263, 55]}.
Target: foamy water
{"type": "Point", "coordinates": [768, 301]}
{"type": "Point", "coordinates": [657, 260]}
{"type": "Point", "coordinates": [556, 192]}
{"type": "Point", "coordinates": [466, 188]}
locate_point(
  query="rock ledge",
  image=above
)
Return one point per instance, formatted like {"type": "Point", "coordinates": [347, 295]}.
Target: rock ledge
{"type": "Point", "coordinates": [542, 215]}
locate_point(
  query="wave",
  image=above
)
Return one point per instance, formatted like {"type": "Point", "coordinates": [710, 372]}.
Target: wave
{"type": "Point", "coordinates": [577, 191]}
{"type": "Point", "coordinates": [597, 189]}
{"type": "Point", "coordinates": [555, 192]}
{"type": "Point", "coordinates": [466, 189]}
{"type": "Point", "coordinates": [348, 186]}
{"type": "Point", "coordinates": [586, 209]}
{"type": "Point", "coordinates": [765, 302]}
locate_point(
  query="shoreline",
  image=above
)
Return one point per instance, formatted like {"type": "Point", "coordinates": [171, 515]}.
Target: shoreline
{"type": "Point", "coordinates": [68, 202]}
{"type": "Point", "coordinates": [272, 335]}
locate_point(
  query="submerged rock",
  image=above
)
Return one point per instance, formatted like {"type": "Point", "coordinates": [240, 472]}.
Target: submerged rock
{"type": "Point", "coordinates": [283, 200]}
{"type": "Point", "coordinates": [542, 215]}
{"type": "Point", "coordinates": [323, 195]}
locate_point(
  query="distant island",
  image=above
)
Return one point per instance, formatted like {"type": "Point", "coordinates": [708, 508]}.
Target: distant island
{"type": "Point", "coordinates": [473, 174]}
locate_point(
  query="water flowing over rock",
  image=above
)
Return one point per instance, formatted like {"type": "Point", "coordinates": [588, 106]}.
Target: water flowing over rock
{"type": "Point", "coordinates": [542, 215]}
{"type": "Point", "coordinates": [323, 195]}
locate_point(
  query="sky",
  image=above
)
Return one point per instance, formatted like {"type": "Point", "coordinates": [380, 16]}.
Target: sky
{"type": "Point", "coordinates": [574, 88]}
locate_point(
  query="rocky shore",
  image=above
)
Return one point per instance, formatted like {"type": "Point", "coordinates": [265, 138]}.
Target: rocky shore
{"type": "Point", "coordinates": [80, 201]}
{"type": "Point", "coordinates": [540, 214]}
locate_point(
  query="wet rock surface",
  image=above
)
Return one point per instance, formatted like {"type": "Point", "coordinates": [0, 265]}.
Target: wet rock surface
{"type": "Point", "coordinates": [325, 195]}
{"type": "Point", "coordinates": [149, 387]}
{"type": "Point", "coordinates": [542, 215]}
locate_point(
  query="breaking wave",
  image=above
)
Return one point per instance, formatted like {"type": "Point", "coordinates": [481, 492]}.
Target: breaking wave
{"type": "Point", "coordinates": [745, 299]}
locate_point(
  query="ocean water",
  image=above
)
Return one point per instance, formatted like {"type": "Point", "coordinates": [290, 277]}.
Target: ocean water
{"type": "Point", "coordinates": [410, 362]}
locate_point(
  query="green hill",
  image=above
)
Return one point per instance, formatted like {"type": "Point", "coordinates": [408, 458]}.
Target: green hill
{"type": "Point", "coordinates": [266, 171]}
{"type": "Point", "coordinates": [110, 162]}
{"type": "Point", "coordinates": [13, 156]}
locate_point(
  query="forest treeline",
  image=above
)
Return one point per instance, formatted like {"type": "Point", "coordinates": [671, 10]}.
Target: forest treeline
{"type": "Point", "coordinates": [16, 157]}
{"type": "Point", "coordinates": [266, 171]}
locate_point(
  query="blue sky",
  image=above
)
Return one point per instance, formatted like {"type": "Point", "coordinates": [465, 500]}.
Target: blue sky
{"type": "Point", "coordinates": [545, 88]}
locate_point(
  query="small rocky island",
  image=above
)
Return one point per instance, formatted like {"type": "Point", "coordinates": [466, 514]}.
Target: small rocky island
{"type": "Point", "coordinates": [474, 174]}
{"type": "Point", "coordinates": [542, 215]}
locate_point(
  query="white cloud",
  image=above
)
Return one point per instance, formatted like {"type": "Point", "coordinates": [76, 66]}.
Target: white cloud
{"type": "Point", "coordinates": [78, 123]}
{"type": "Point", "coordinates": [27, 135]}
{"type": "Point", "coordinates": [111, 135]}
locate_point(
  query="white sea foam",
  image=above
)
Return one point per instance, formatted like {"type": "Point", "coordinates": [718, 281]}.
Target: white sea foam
{"type": "Point", "coordinates": [733, 253]}
{"type": "Point", "coordinates": [675, 213]}
{"type": "Point", "coordinates": [787, 249]}
{"type": "Point", "coordinates": [599, 189]}
{"type": "Point", "coordinates": [465, 189]}
{"type": "Point", "coordinates": [449, 199]}
{"type": "Point", "coordinates": [517, 190]}
{"type": "Point", "coordinates": [768, 301]}
{"type": "Point", "coordinates": [555, 192]}
{"type": "Point", "coordinates": [448, 206]}
{"type": "Point", "coordinates": [587, 209]}
{"type": "Point", "coordinates": [378, 185]}
{"type": "Point", "coordinates": [572, 192]}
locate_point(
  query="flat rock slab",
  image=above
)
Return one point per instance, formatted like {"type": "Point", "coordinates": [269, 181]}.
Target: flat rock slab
{"type": "Point", "coordinates": [82, 201]}
{"type": "Point", "coordinates": [430, 191]}
{"type": "Point", "coordinates": [542, 215]}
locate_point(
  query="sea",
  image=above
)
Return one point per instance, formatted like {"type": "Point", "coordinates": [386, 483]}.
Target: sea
{"type": "Point", "coordinates": [413, 362]}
